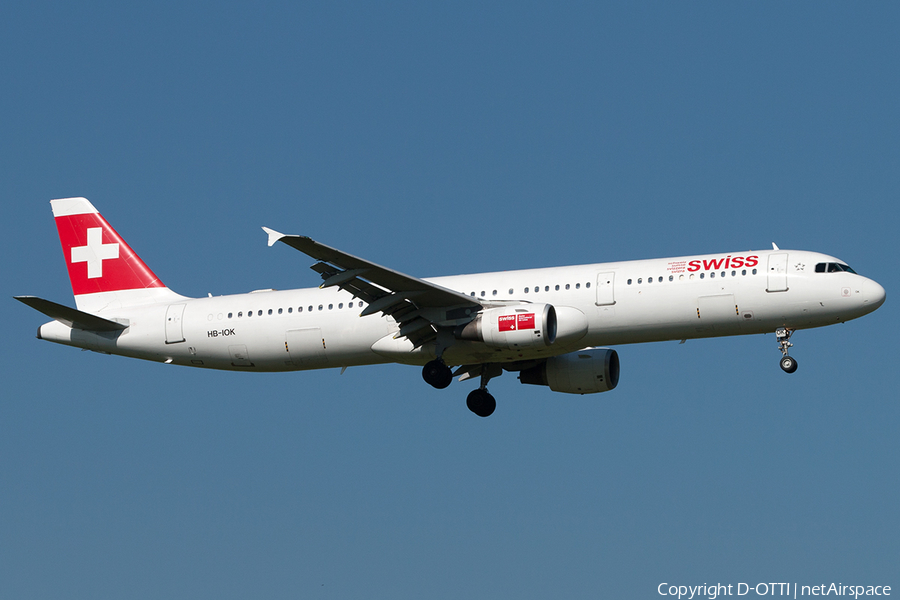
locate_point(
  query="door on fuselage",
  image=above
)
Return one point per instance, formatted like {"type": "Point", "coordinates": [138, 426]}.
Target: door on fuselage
{"type": "Point", "coordinates": [777, 273]}
{"type": "Point", "coordinates": [174, 330]}
{"type": "Point", "coordinates": [718, 313]}
{"type": "Point", "coordinates": [305, 346]}
{"type": "Point", "coordinates": [239, 356]}
{"type": "Point", "coordinates": [606, 288]}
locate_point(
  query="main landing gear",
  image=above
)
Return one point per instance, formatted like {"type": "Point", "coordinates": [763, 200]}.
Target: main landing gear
{"type": "Point", "coordinates": [481, 402]}
{"type": "Point", "coordinates": [437, 374]}
{"type": "Point", "coordinates": [788, 363]}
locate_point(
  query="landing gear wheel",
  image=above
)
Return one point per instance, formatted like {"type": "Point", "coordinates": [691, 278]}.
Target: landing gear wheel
{"type": "Point", "coordinates": [783, 335]}
{"type": "Point", "coordinates": [437, 374]}
{"type": "Point", "coordinates": [481, 403]}
{"type": "Point", "coordinates": [788, 364]}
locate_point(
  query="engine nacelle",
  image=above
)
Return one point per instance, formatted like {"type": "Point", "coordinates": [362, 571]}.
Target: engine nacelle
{"type": "Point", "coordinates": [584, 372]}
{"type": "Point", "coordinates": [512, 327]}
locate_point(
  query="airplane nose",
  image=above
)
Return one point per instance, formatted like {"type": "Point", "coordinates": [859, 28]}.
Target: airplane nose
{"type": "Point", "coordinates": [873, 294]}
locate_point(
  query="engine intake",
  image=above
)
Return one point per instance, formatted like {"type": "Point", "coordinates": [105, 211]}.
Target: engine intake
{"type": "Point", "coordinates": [584, 372]}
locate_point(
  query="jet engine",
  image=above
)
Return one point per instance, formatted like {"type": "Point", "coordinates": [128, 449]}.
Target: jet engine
{"type": "Point", "coordinates": [525, 326]}
{"type": "Point", "coordinates": [584, 372]}
{"type": "Point", "coordinates": [512, 327]}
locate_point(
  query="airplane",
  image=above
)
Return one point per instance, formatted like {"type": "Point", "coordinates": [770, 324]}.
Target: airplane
{"type": "Point", "coordinates": [552, 326]}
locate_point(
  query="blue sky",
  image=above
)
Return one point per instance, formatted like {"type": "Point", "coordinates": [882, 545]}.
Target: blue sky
{"type": "Point", "coordinates": [441, 140]}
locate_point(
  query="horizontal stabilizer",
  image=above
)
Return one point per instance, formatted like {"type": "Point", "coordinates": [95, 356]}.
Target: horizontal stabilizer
{"type": "Point", "coordinates": [70, 316]}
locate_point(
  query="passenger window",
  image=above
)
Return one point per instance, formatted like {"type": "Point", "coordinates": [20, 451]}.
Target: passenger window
{"type": "Point", "coordinates": [259, 313]}
{"type": "Point", "coordinates": [229, 315]}
{"type": "Point", "coordinates": [249, 313]}
{"type": "Point", "coordinates": [733, 273]}
{"type": "Point", "coordinates": [546, 288]}
{"type": "Point", "coordinates": [270, 311]}
{"type": "Point", "coordinates": [577, 286]}
{"type": "Point", "coordinates": [671, 278]}
{"type": "Point", "coordinates": [567, 286]}
{"type": "Point", "coordinates": [744, 272]}
{"type": "Point", "coordinates": [330, 306]}
{"type": "Point", "coordinates": [649, 280]}
{"type": "Point", "coordinates": [660, 279]}
{"type": "Point", "coordinates": [557, 287]}
{"type": "Point", "coordinates": [321, 307]}
{"type": "Point", "coordinates": [640, 280]}
{"type": "Point", "coordinates": [240, 314]}
{"type": "Point", "coordinates": [494, 293]}
{"type": "Point", "coordinates": [482, 294]}
{"type": "Point", "coordinates": [280, 311]}
{"type": "Point", "coordinates": [629, 282]}
{"type": "Point", "coordinates": [310, 308]}
{"type": "Point", "coordinates": [341, 305]}
{"type": "Point", "coordinates": [588, 284]}
{"type": "Point", "coordinates": [526, 290]}
{"type": "Point", "coordinates": [290, 309]}
{"type": "Point", "coordinates": [713, 274]}
{"type": "Point", "coordinates": [754, 271]}
{"type": "Point", "coordinates": [702, 275]}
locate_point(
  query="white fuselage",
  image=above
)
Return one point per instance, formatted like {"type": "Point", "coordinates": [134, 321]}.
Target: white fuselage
{"type": "Point", "coordinates": [623, 302]}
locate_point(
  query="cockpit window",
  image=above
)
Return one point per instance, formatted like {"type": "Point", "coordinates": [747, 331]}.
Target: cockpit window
{"type": "Point", "coordinates": [833, 268]}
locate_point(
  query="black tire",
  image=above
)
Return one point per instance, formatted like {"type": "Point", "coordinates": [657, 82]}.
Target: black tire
{"type": "Point", "coordinates": [788, 364]}
{"type": "Point", "coordinates": [437, 374]}
{"type": "Point", "coordinates": [481, 403]}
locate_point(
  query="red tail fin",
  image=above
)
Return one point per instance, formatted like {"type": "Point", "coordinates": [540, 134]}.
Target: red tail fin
{"type": "Point", "coordinates": [98, 259]}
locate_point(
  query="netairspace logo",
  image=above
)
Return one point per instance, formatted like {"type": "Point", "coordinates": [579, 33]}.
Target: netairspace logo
{"type": "Point", "coordinates": [713, 591]}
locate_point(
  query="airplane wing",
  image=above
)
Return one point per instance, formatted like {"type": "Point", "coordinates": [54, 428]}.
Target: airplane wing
{"type": "Point", "coordinates": [419, 307]}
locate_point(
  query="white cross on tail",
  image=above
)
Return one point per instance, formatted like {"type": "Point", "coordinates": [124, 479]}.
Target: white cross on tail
{"type": "Point", "coordinates": [95, 252]}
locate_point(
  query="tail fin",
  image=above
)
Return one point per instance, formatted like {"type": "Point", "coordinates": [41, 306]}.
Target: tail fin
{"type": "Point", "coordinates": [103, 269]}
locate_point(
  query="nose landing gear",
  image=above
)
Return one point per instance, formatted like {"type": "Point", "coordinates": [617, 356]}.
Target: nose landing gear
{"type": "Point", "coordinates": [788, 363]}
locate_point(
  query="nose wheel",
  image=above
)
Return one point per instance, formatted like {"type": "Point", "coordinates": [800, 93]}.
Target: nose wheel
{"type": "Point", "coordinates": [788, 363]}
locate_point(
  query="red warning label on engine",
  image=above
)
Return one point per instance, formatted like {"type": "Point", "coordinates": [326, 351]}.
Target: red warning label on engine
{"type": "Point", "coordinates": [516, 322]}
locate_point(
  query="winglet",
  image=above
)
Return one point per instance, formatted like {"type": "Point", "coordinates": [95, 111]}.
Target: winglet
{"type": "Point", "coordinates": [774, 247]}
{"type": "Point", "coordinates": [274, 236]}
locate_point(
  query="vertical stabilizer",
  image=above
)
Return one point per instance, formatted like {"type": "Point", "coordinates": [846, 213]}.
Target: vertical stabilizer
{"type": "Point", "coordinates": [103, 269]}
